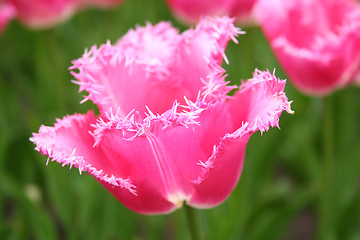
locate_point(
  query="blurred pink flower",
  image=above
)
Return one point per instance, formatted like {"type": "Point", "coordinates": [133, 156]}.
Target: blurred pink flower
{"type": "Point", "coordinates": [190, 11]}
{"type": "Point", "coordinates": [43, 13]}
{"type": "Point", "coordinates": [167, 133]}
{"type": "Point", "coordinates": [46, 13]}
{"type": "Point", "coordinates": [317, 42]}
{"type": "Point", "coordinates": [7, 12]}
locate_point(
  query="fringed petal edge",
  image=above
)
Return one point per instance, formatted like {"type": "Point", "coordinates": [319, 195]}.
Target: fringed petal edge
{"type": "Point", "coordinates": [66, 159]}
{"type": "Point", "coordinates": [248, 128]}
{"type": "Point", "coordinates": [133, 126]}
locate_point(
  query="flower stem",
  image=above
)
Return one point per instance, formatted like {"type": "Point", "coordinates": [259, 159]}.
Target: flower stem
{"type": "Point", "coordinates": [327, 194]}
{"type": "Point", "coordinates": [193, 222]}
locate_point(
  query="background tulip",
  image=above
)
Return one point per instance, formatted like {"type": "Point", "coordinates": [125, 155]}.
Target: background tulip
{"type": "Point", "coordinates": [317, 42]}
{"type": "Point", "coordinates": [191, 11]}
{"type": "Point", "coordinates": [47, 13]}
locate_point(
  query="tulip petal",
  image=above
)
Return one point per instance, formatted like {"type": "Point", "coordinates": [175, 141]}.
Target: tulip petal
{"type": "Point", "coordinates": [256, 106]}
{"type": "Point", "coordinates": [69, 143]}
{"type": "Point", "coordinates": [243, 11]}
{"type": "Point", "coordinates": [169, 147]}
{"type": "Point", "coordinates": [146, 67]}
{"type": "Point", "coordinates": [220, 175]}
{"type": "Point", "coordinates": [261, 100]}
{"type": "Point", "coordinates": [115, 81]}
{"type": "Point", "coordinates": [72, 132]}
{"type": "Point", "coordinates": [122, 77]}
{"type": "Point", "coordinates": [148, 199]}
{"type": "Point", "coordinates": [210, 38]}
{"type": "Point", "coordinates": [203, 48]}
{"type": "Point", "coordinates": [190, 11]}
{"type": "Point", "coordinates": [149, 163]}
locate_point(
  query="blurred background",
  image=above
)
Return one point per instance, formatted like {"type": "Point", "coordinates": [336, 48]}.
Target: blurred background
{"type": "Point", "coordinates": [281, 191]}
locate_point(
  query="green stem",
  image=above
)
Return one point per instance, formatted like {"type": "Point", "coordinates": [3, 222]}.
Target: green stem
{"type": "Point", "coordinates": [193, 222]}
{"type": "Point", "coordinates": [327, 194]}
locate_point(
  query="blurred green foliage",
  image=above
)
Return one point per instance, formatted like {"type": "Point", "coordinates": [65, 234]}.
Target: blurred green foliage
{"type": "Point", "coordinates": [280, 193]}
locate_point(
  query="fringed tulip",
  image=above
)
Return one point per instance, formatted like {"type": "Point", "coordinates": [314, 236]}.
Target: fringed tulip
{"type": "Point", "coordinates": [317, 42]}
{"type": "Point", "coordinates": [190, 11]}
{"type": "Point", "coordinates": [167, 132]}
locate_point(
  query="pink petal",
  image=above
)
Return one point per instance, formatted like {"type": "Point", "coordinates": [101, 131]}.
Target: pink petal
{"type": "Point", "coordinates": [69, 143]}
{"type": "Point", "coordinates": [149, 66]}
{"type": "Point", "coordinates": [191, 11]}
{"type": "Point", "coordinates": [203, 48]}
{"type": "Point", "coordinates": [149, 162]}
{"type": "Point", "coordinates": [148, 199]}
{"type": "Point", "coordinates": [222, 172]}
{"type": "Point", "coordinates": [316, 42]}
{"type": "Point", "coordinates": [7, 12]}
{"type": "Point", "coordinates": [256, 106]}
{"type": "Point", "coordinates": [261, 100]}
{"type": "Point", "coordinates": [243, 11]}
{"type": "Point", "coordinates": [168, 148]}
{"type": "Point", "coordinates": [116, 81]}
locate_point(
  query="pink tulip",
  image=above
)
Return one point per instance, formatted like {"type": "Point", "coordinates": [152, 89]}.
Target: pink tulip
{"type": "Point", "coordinates": [7, 12]}
{"type": "Point", "coordinates": [43, 13]}
{"type": "Point", "coordinates": [317, 42]}
{"type": "Point", "coordinates": [190, 11]}
{"type": "Point", "coordinates": [167, 133]}
{"type": "Point", "coordinates": [46, 13]}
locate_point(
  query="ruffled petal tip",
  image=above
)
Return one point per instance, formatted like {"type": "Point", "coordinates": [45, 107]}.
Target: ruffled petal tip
{"type": "Point", "coordinates": [138, 63]}
{"type": "Point", "coordinates": [70, 144]}
{"type": "Point", "coordinates": [256, 106]}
